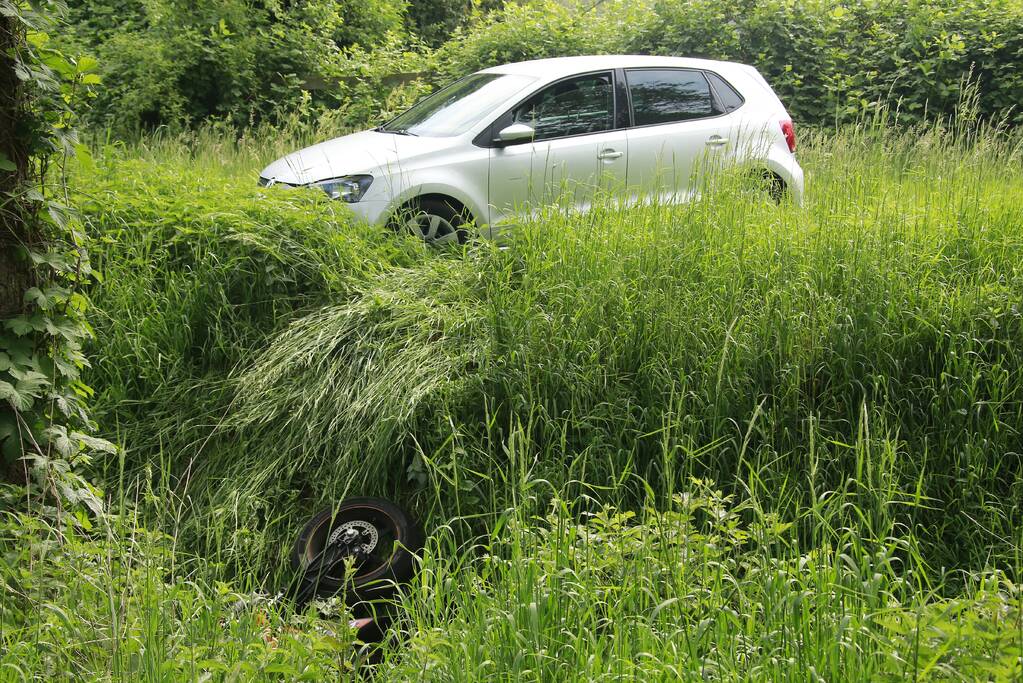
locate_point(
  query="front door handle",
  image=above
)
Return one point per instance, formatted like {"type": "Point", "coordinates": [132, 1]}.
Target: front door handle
{"type": "Point", "coordinates": [716, 141]}
{"type": "Point", "coordinates": [608, 154]}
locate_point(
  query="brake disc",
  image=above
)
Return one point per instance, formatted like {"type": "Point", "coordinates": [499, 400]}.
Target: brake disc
{"type": "Point", "coordinates": [368, 535]}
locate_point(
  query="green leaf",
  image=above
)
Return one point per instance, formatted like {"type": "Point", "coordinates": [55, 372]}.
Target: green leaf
{"type": "Point", "coordinates": [57, 437]}
{"type": "Point", "coordinates": [35, 295]}
{"type": "Point", "coordinates": [68, 329]}
{"type": "Point", "coordinates": [19, 325]}
{"type": "Point", "coordinates": [83, 520]}
{"type": "Point", "coordinates": [84, 156]}
{"type": "Point", "coordinates": [87, 63]}
{"type": "Point", "coordinates": [8, 393]}
{"type": "Point", "coordinates": [30, 382]}
{"type": "Point", "coordinates": [94, 443]}
{"type": "Point", "coordinates": [37, 38]}
{"type": "Point", "coordinates": [92, 498]}
{"type": "Point", "coordinates": [68, 367]}
{"type": "Point", "coordinates": [6, 164]}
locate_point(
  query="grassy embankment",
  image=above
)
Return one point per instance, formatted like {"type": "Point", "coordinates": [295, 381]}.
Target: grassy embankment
{"type": "Point", "coordinates": [849, 374]}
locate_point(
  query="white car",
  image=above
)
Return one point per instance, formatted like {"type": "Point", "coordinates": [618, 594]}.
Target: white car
{"type": "Point", "coordinates": [505, 141]}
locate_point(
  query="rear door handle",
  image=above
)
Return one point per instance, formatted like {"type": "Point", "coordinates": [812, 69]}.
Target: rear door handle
{"type": "Point", "coordinates": [716, 141]}
{"type": "Point", "coordinates": [608, 154]}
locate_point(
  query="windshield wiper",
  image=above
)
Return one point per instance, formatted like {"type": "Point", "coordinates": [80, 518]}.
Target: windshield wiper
{"type": "Point", "coordinates": [396, 131]}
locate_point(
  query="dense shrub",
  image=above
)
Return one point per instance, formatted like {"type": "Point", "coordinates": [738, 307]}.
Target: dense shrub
{"type": "Point", "coordinates": [177, 62]}
{"type": "Point", "coordinates": [832, 61]}
{"type": "Point", "coordinates": [168, 63]}
{"type": "Point", "coordinates": [694, 591]}
{"type": "Point", "coordinates": [532, 31]}
{"type": "Point", "coordinates": [435, 20]}
{"type": "Point", "coordinates": [118, 603]}
{"type": "Point", "coordinates": [827, 61]}
{"type": "Point", "coordinates": [703, 589]}
{"type": "Point", "coordinates": [372, 85]}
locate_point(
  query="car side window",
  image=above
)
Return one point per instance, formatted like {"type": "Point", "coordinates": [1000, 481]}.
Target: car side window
{"type": "Point", "coordinates": [667, 95]}
{"type": "Point", "coordinates": [729, 96]}
{"type": "Point", "coordinates": [575, 106]}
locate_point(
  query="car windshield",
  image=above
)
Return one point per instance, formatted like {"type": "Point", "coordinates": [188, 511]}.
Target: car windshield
{"type": "Point", "coordinates": [456, 108]}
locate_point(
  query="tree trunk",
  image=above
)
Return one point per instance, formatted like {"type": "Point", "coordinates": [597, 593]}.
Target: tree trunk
{"type": "Point", "coordinates": [16, 232]}
{"type": "Point", "coordinates": [16, 272]}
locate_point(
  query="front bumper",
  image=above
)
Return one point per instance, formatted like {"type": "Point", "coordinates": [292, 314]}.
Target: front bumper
{"type": "Point", "coordinates": [372, 211]}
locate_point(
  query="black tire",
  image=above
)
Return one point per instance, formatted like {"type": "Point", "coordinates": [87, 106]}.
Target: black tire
{"type": "Point", "coordinates": [769, 185]}
{"type": "Point", "coordinates": [391, 563]}
{"type": "Point", "coordinates": [434, 221]}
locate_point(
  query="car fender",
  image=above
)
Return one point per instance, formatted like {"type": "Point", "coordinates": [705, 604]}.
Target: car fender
{"type": "Point", "coordinates": [474, 205]}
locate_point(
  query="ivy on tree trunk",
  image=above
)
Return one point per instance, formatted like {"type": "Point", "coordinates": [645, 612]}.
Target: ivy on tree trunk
{"type": "Point", "coordinates": [16, 272]}
{"type": "Point", "coordinates": [44, 423]}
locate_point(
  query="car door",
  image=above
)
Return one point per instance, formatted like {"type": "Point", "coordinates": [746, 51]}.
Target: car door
{"type": "Point", "coordinates": [678, 133]}
{"type": "Point", "coordinates": [576, 150]}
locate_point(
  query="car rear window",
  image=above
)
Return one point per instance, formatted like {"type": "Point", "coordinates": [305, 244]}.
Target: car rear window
{"type": "Point", "coordinates": [728, 96]}
{"type": "Point", "coordinates": [663, 96]}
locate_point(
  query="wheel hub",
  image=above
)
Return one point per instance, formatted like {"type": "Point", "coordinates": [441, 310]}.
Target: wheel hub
{"type": "Point", "coordinates": [432, 228]}
{"type": "Point", "coordinates": [361, 537]}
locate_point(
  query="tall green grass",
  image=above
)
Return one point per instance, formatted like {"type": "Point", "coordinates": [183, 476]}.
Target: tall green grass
{"type": "Point", "coordinates": [864, 348]}
{"type": "Point", "coordinates": [849, 373]}
{"type": "Point", "coordinates": [691, 591]}
{"type": "Point", "coordinates": [277, 356]}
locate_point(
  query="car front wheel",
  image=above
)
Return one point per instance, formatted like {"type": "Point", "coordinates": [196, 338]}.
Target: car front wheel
{"type": "Point", "coordinates": [433, 221]}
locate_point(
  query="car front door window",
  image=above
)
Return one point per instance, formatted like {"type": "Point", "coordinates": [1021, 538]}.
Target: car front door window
{"type": "Point", "coordinates": [575, 149]}
{"type": "Point", "coordinates": [576, 106]}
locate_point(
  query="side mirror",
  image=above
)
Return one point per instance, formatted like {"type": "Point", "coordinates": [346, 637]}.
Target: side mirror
{"type": "Point", "coordinates": [517, 132]}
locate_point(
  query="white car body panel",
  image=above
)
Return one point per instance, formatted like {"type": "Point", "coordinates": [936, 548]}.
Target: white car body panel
{"type": "Point", "coordinates": [666, 161]}
{"type": "Point", "coordinates": [498, 183]}
{"type": "Point", "coordinates": [524, 178]}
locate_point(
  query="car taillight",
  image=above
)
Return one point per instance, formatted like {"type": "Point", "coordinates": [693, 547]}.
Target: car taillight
{"type": "Point", "coordinates": [790, 134]}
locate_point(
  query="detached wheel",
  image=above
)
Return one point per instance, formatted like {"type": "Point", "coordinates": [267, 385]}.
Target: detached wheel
{"type": "Point", "coordinates": [433, 221]}
{"type": "Point", "coordinates": [385, 540]}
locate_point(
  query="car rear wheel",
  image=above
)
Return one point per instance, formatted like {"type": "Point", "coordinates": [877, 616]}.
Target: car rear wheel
{"type": "Point", "coordinates": [768, 185]}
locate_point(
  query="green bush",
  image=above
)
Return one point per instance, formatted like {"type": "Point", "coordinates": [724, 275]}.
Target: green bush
{"type": "Point", "coordinates": [169, 63]}
{"type": "Point", "coordinates": [834, 61]}
{"type": "Point", "coordinates": [829, 62]}
{"type": "Point", "coordinates": [177, 62]}
{"type": "Point", "coordinates": [119, 603]}
{"type": "Point", "coordinates": [535, 30]}
{"type": "Point", "coordinates": [700, 589]}
{"type": "Point", "coordinates": [435, 20]}
{"type": "Point", "coordinates": [373, 85]}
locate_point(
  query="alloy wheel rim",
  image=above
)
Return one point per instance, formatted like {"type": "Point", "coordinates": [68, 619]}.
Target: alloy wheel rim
{"type": "Point", "coordinates": [432, 228]}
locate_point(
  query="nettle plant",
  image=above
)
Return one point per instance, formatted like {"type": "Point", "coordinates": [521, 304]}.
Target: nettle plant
{"type": "Point", "coordinates": [44, 268]}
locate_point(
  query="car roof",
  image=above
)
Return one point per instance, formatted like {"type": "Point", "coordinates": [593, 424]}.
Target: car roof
{"type": "Point", "coordinates": [559, 67]}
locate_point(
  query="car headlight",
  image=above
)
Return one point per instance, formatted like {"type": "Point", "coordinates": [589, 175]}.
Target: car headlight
{"type": "Point", "coordinates": [349, 188]}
